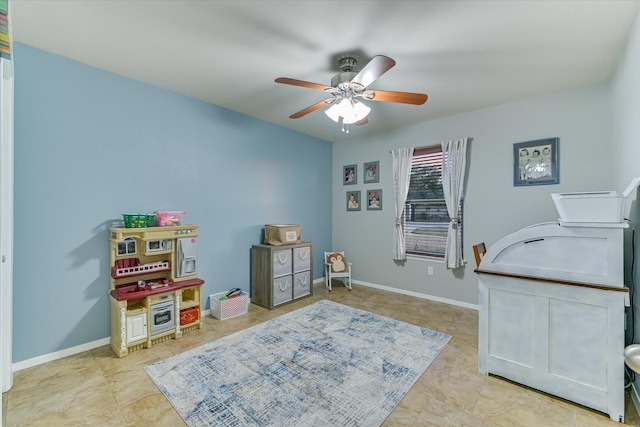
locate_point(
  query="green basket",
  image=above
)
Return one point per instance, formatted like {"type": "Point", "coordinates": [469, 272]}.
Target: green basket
{"type": "Point", "coordinates": [138, 220]}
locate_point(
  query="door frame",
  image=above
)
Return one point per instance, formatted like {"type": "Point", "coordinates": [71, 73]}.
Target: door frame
{"type": "Point", "coordinates": [6, 223]}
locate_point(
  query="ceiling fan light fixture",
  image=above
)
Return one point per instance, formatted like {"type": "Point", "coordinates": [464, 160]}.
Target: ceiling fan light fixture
{"type": "Point", "coordinates": [350, 111]}
{"type": "Point", "coordinates": [333, 112]}
{"type": "Point", "coordinates": [356, 111]}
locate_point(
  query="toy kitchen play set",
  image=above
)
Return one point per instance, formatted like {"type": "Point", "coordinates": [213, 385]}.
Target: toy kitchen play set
{"type": "Point", "coordinates": [552, 302]}
{"type": "Point", "coordinates": [154, 288]}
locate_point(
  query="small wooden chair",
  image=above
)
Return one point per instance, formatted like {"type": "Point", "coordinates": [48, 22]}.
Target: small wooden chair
{"type": "Point", "coordinates": [479, 250]}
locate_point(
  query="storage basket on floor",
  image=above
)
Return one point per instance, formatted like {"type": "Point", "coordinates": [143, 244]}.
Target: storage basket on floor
{"type": "Point", "coordinates": [228, 308]}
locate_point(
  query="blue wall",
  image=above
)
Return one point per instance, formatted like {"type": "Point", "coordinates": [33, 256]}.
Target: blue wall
{"type": "Point", "coordinates": [90, 145]}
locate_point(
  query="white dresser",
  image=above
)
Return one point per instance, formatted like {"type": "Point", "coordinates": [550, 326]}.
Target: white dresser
{"type": "Point", "coordinates": [552, 310]}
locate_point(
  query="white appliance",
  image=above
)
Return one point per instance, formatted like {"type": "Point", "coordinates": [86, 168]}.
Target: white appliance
{"type": "Point", "coordinates": [162, 317]}
{"type": "Point", "coordinates": [187, 254]}
{"type": "Point", "coordinates": [159, 245]}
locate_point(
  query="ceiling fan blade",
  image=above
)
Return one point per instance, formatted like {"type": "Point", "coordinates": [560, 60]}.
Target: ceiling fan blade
{"type": "Point", "coordinates": [362, 122]}
{"type": "Point", "coordinates": [312, 108]}
{"type": "Point", "coordinates": [401, 97]}
{"type": "Point", "coordinates": [378, 65]}
{"type": "Point", "coordinates": [302, 83]}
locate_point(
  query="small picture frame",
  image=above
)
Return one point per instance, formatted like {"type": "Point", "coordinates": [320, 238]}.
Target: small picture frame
{"type": "Point", "coordinates": [371, 172]}
{"type": "Point", "coordinates": [353, 200]}
{"type": "Point", "coordinates": [535, 162]}
{"type": "Point", "coordinates": [374, 200]}
{"type": "Point", "coordinates": [350, 174]}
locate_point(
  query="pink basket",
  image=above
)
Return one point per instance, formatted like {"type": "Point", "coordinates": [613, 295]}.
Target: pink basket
{"type": "Point", "coordinates": [168, 218]}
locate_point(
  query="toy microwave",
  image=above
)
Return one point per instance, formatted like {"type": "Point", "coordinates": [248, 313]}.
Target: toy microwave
{"type": "Point", "coordinates": [158, 245]}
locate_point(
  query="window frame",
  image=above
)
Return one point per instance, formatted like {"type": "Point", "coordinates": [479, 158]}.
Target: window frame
{"type": "Point", "coordinates": [418, 152]}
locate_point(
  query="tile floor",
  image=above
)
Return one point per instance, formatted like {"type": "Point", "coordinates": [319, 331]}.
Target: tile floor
{"type": "Point", "coordinates": [97, 388]}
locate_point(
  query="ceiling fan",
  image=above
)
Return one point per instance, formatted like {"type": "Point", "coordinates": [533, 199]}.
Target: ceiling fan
{"type": "Point", "coordinates": [349, 88]}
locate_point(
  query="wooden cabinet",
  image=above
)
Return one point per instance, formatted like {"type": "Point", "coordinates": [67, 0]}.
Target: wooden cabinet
{"type": "Point", "coordinates": [152, 299]}
{"type": "Point", "coordinates": [552, 307]}
{"type": "Point", "coordinates": [281, 274]}
{"type": "Point", "coordinates": [564, 339]}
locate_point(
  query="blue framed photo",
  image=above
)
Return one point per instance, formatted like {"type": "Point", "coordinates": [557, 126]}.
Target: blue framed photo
{"type": "Point", "coordinates": [535, 162]}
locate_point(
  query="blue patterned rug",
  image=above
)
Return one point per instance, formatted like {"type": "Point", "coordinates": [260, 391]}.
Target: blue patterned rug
{"type": "Point", "coordinates": [325, 364]}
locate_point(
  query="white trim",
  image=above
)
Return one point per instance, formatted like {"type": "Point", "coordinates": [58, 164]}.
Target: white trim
{"type": "Point", "coordinates": [425, 258]}
{"type": "Point", "coordinates": [6, 223]}
{"type": "Point", "coordinates": [30, 363]}
{"type": "Point", "coordinates": [419, 295]}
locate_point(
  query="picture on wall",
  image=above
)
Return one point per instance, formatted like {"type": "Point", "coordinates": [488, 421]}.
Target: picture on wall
{"type": "Point", "coordinates": [350, 174]}
{"type": "Point", "coordinates": [535, 162]}
{"type": "Point", "coordinates": [374, 200]}
{"type": "Point", "coordinates": [371, 172]}
{"type": "Point", "coordinates": [353, 200]}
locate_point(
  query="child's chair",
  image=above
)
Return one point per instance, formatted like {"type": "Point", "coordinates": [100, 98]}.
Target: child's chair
{"type": "Point", "coordinates": [336, 266]}
{"type": "Point", "coordinates": [479, 250]}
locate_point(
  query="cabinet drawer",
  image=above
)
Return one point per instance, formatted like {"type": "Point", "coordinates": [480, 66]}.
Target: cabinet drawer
{"type": "Point", "coordinates": [301, 284]}
{"type": "Point", "coordinates": [282, 262]}
{"type": "Point", "coordinates": [282, 291]}
{"type": "Point", "coordinates": [161, 298]}
{"type": "Point", "coordinates": [301, 258]}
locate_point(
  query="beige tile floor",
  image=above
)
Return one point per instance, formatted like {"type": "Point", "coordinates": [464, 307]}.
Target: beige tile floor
{"type": "Point", "coordinates": [97, 388]}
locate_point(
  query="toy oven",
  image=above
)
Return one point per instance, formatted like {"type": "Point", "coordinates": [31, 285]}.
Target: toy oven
{"type": "Point", "coordinates": [162, 317]}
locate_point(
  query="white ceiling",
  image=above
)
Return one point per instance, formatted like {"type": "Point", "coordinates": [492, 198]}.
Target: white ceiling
{"type": "Point", "coordinates": [465, 55]}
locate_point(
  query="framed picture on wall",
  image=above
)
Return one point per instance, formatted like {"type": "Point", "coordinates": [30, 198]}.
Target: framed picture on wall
{"type": "Point", "coordinates": [371, 172]}
{"type": "Point", "coordinates": [374, 200]}
{"type": "Point", "coordinates": [535, 162]}
{"type": "Point", "coordinates": [353, 200]}
{"type": "Point", "coordinates": [350, 175]}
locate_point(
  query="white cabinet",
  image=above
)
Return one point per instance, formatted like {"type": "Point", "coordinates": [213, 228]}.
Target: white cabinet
{"type": "Point", "coordinates": [136, 327]}
{"type": "Point", "coordinates": [281, 274]}
{"type": "Point", "coordinates": [564, 339]}
{"type": "Point", "coordinates": [552, 311]}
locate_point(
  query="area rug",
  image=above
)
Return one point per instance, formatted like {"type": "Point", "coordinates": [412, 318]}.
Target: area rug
{"type": "Point", "coordinates": [326, 364]}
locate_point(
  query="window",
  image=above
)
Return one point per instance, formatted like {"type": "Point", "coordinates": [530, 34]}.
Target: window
{"type": "Point", "coordinates": [426, 219]}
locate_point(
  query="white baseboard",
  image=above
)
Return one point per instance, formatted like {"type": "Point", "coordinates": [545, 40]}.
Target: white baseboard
{"type": "Point", "coordinates": [29, 363]}
{"type": "Point", "coordinates": [418, 295]}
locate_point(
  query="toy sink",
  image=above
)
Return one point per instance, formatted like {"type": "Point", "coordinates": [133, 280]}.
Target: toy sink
{"type": "Point", "coordinates": [595, 206]}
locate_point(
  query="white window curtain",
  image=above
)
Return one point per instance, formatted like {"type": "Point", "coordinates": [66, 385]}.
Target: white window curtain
{"type": "Point", "coordinates": [454, 160]}
{"type": "Point", "coordinates": [402, 158]}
